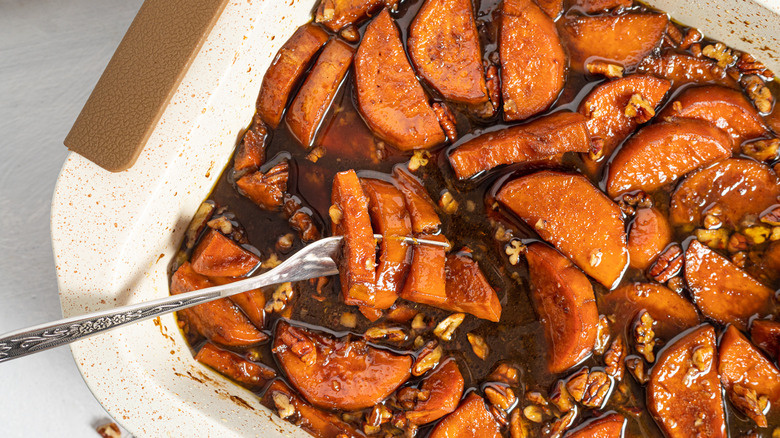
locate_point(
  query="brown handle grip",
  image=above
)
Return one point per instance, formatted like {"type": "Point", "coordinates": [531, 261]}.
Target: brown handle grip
{"type": "Point", "coordinates": [140, 80]}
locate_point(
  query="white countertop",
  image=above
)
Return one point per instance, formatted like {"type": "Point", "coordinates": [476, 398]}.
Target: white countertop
{"type": "Point", "coordinates": [51, 55]}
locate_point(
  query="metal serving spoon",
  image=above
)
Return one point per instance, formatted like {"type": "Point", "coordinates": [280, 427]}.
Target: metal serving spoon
{"type": "Point", "coordinates": [314, 260]}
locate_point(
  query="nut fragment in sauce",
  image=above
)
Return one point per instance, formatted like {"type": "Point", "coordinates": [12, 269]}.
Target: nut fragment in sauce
{"type": "Point", "coordinates": [597, 389]}
{"type": "Point", "coordinates": [720, 53]}
{"type": "Point", "coordinates": [419, 159]}
{"type": "Point", "coordinates": [385, 332]}
{"type": "Point", "coordinates": [602, 335]}
{"type": "Point", "coordinates": [110, 430]}
{"type": "Point", "coordinates": [636, 366]}
{"type": "Point", "coordinates": [533, 413]}
{"type": "Point", "coordinates": [517, 426]}
{"type": "Point", "coordinates": [335, 214]}
{"type": "Point", "coordinates": [284, 406]}
{"type": "Point", "coordinates": [639, 108]}
{"type": "Point", "coordinates": [500, 396]}
{"type": "Point", "coordinates": [514, 249]}
{"type": "Point", "coordinates": [762, 150]}
{"type": "Point", "coordinates": [615, 357]}
{"type": "Point", "coordinates": [758, 92]}
{"type": "Point", "coordinates": [446, 328]}
{"type": "Point", "coordinates": [428, 358]}
{"type": "Point", "coordinates": [644, 336]}
{"type": "Point", "coordinates": [605, 68]}
{"type": "Point", "coordinates": [478, 345]}
{"type": "Point", "coordinates": [448, 203]}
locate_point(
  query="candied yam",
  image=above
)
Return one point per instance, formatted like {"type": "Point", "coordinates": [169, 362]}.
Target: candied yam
{"type": "Point", "coordinates": [661, 153]}
{"type": "Point", "coordinates": [286, 70]}
{"type": "Point", "coordinates": [552, 8]}
{"type": "Point", "coordinates": [392, 102]}
{"type": "Point", "coordinates": [533, 63]}
{"type": "Point", "coordinates": [766, 335]}
{"type": "Point", "coordinates": [358, 270]}
{"type": "Point", "coordinates": [672, 312]}
{"type": "Point", "coordinates": [249, 374]}
{"type": "Point", "coordinates": [591, 6]}
{"type": "Point", "coordinates": [421, 208]}
{"type": "Point", "coordinates": [267, 189]}
{"type": "Point", "coordinates": [721, 290]}
{"type": "Point", "coordinates": [544, 137]}
{"type": "Point", "coordinates": [338, 373]}
{"type": "Point", "coordinates": [569, 212]}
{"type": "Point", "coordinates": [563, 299]}
{"type": "Point", "coordinates": [219, 321]}
{"type": "Point", "coordinates": [681, 68]}
{"type": "Point", "coordinates": [445, 385]}
{"type": "Point", "coordinates": [620, 39]}
{"type": "Point", "coordinates": [648, 235]}
{"type": "Point", "coordinates": [426, 282]}
{"type": "Point", "coordinates": [309, 107]}
{"type": "Point", "coordinates": [607, 426]}
{"type": "Point", "coordinates": [337, 14]}
{"type": "Point", "coordinates": [730, 190]}
{"type": "Point", "coordinates": [605, 109]}
{"type": "Point", "coordinates": [470, 420]}
{"type": "Point", "coordinates": [250, 154]}
{"type": "Point", "coordinates": [444, 48]}
{"type": "Point", "coordinates": [684, 392]}
{"type": "Point", "coordinates": [468, 290]}
{"type": "Point", "coordinates": [252, 302]}
{"type": "Point", "coordinates": [218, 256]}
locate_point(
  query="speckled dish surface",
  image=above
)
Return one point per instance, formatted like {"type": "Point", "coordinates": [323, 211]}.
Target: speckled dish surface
{"type": "Point", "coordinates": [114, 234]}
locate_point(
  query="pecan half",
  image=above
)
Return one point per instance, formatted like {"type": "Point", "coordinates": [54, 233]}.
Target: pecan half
{"type": "Point", "coordinates": [602, 335]}
{"type": "Point", "coordinates": [446, 120]}
{"type": "Point", "coordinates": [668, 264]}
{"type": "Point", "coordinates": [759, 93]}
{"type": "Point", "coordinates": [749, 403]}
{"type": "Point", "coordinates": [644, 335]}
{"type": "Point", "coordinates": [505, 373]}
{"type": "Point", "coordinates": [597, 389]}
{"type": "Point", "coordinates": [615, 357]}
{"type": "Point", "coordinates": [762, 150]}
{"type": "Point", "coordinates": [636, 366]}
{"type": "Point", "coordinates": [749, 65]}
{"type": "Point", "coordinates": [385, 332]}
{"type": "Point", "coordinates": [639, 108]}
{"type": "Point", "coordinates": [772, 217]}
{"type": "Point", "coordinates": [721, 53]}
{"type": "Point", "coordinates": [478, 345]}
{"type": "Point", "coordinates": [428, 358]}
{"type": "Point", "coordinates": [446, 328]}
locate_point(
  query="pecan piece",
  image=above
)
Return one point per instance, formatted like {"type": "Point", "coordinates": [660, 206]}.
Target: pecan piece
{"type": "Point", "coordinates": [560, 397]}
{"type": "Point", "coordinates": [385, 332]}
{"type": "Point", "coordinates": [493, 88]}
{"type": "Point", "coordinates": [639, 108]}
{"type": "Point", "coordinates": [747, 401]}
{"type": "Point", "coordinates": [759, 93]}
{"type": "Point", "coordinates": [446, 328]}
{"type": "Point", "coordinates": [668, 264]}
{"type": "Point", "coordinates": [517, 426]}
{"type": "Point", "coordinates": [715, 239]}
{"type": "Point", "coordinates": [448, 203]}
{"type": "Point", "coordinates": [692, 36]}
{"type": "Point", "coordinates": [602, 335]}
{"type": "Point", "coordinates": [514, 249]}
{"type": "Point", "coordinates": [737, 242]}
{"type": "Point", "coordinates": [605, 68]}
{"type": "Point", "coordinates": [478, 345]}
{"type": "Point", "coordinates": [762, 150]}
{"type": "Point", "coordinates": [721, 53]}
{"type": "Point", "coordinates": [772, 217]}
{"type": "Point", "coordinates": [110, 430]}
{"type": "Point", "coordinates": [300, 344]}
{"type": "Point", "coordinates": [597, 389]}
{"type": "Point", "coordinates": [614, 358]}
{"type": "Point", "coordinates": [505, 373]}
{"type": "Point", "coordinates": [558, 426]}
{"type": "Point", "coordinates": [749, 65]}
{"type": "Point", "coordinates": [446, 120]}
{"type": "Point", "coordinates": [644, 335]}
{"type": "Point", "coordinates": [428, 358]}
{"type": "Point", "coordinates": [636, 366]}
{"type": "Point", "coordinates": [577, 383]}
{"type": "Point", "coordinates": [501, 396]}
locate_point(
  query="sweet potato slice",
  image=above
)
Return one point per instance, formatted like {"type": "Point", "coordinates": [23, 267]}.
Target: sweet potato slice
{"type": "Point", "coordinates": [733, 188]}
{"type": "Point", "coordinates": [338, 373]}
{"type": "Point", "coordinates": [468, 290]}
{"type": "Point", "coordinates": [672, 312]}
{"type": "Point", "coordinates": [684, 392]}
{"type": "Point", "coordinates": [607, 426]}
{"type": "Point", "coordinates": [358, 270]}
{"type": "Point", "coordinates": [621, 39]}
{"type": "Point", "coordinates": [309, 107]}
{"type": "Point", "coordinates": [544, 137]}
{"type": "Point", "coordinates": [418, 202]}
{"type": "Point", "coordinates": [552, 8]}
{"type": "Point", "coordinates": [249, 374]}
{"type": "Point", "coordinates": [721, 290]}
{"type": "Point", "coordinates": [267, 189]}
{"type": "Point", "coordinates": [252, 302]}
{"type": "Point", "coordinates": [219, 321]}
{"type": "Point", "coordinates": [569, 212]}
{"type": "Point", "coordinates": [250, 154]}
{"type": "Point", "coordinates": [444, 48]}
{"type": "Point", "coordinates": [218, 256]}
{"type": "Point", "coordinates": [605, 108]}
{"type": "Point", "coordinates": [470, 420]}
{"type": "Point", "coordinates": [392, 102]}
{"type": "Point", "coordinates": [533, 63]}
{"type": "Point", "coordinates": [648, 235]}
{"type": "Point", "coordinates": [336, 14]}
{"type": "Point", "coordinates": [681, 69]}
{"type": "Point", "coordinates": [426, 282]}
{"type": "Point", "coordinates": [286, 70]}
{"type": "Point", "coordinates": [591, 6]}
{"type": "Point", "coordinates": [564, 300]}
{"type": "Point", "coordinates": [766, 335]}
{"type": "Point", "coordinates": [445, 385]}
{"type": "Point", "coordinates": [661, 153]}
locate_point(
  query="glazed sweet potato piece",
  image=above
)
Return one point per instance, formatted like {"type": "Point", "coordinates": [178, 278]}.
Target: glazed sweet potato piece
{"type": "Point", "coordinates": [445, 385]}
{"type": "Point", "coordinates": [661, 153]}
{"type": "Point", "coordinates": [392, 102]}
{"type": "Point", "coordinates": [544, 137]}
{"type": "Point", "coordinates": [552, 8]}
{"type": "Point", "coordinates": [607, 426]}
{"type": "Point", "coordinates": [336, 14]}
{"type": "Point", "coordinates": [766, 335]}
{"type": "Point", "coordinates": [426, 282]}
{"type": "Point", "coordinates": [250, 154]}
{"type": "Point", "coordinates": [309, 107]}
{"type": "Point", "coordinates": [620, 39]}
{"type": "Point", "coordinates": [249, 374]}
{"type": "Point", "coordinates": [358, 270]}
{"type": "Point", "coordinates": [470, 420]}
{"type": "Point", "coordinates": [733, 188]}
{"type": "Point", "coordinates": [767, 268]}
{"type": "Point", "coordinates": [569, 212]}
{"type": "Point", "coordinates": [564, 300]}
{"type": "Point", "coordinates": [418, 202]}
{"type": "Point", "coordinates": [252, 302]}
{"type": "Point", "coordinates": [533, 63]}
{"type": "Point", "coordinates": [286, 70]}
{"type": "Point", "coordinates": [684, 392]}
{"type": "Point", "coordinates": [648, 235]}
{"type": "Point", "coordinates": [721, 290]}
{"type": "Point", "coordinates": [218, 256]}
{"type": "Point", "coordinates": [591, 6]}
{"type": "Point", "coordinates": [727, 108]}
{"type": "Point", "coordinates": [219, 321]}
{"type": "Point", "coordinates": [444, 48]}
{"type": "Point", "coordinates": [743, 367]}
{"type": "Point", "coordinates": [672, 312]}
{"type": "Point", "coordinates": [468, 290]}
{"type": "Point", "coordinates": [267, 189]}
{"type": "Point", "coordinates": [605, 108]}
{"type": "Point", "coordinates": [681, 69]}
{"type": "Point", "coordinates": [338, 373]}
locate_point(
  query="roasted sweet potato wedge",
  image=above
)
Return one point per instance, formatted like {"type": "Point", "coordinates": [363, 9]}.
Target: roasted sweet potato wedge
{"type": "Point", "coordinates": [444, 48]}
{"type": "Point", "coordinates": [766, 334]}
{"type": "Point", "coordinates": [621, 39]}
{"type": "Point", "coordinates": [672, 312]}
{"type": "Point", "coordinates": [286, 70]}
{"type": "Point", "coordinates": [730, 190]}
{"type": "Point", "coordinates": [421, 208]}
{"type": "Point", "coordinates": [684, 392]}
{"type": "Point", "coordinates": [533, 63]}
{"type": "Point", "coordinates": [249, 374]}
{"type": "Point", "coordinates": [392, 102]}
{"type": "Point", "coordinates": [445, 385]}
{"type": "Point", "coordinates": [252, 302]}
{"type": "Point", "coordinates": [219, 321]}
{"type": "Point", "coordinates": [218, 256]}
{"type": "Point", "coordinates": [607, 426]}
{"type": "Point", "coordinates": [308, 109]}
{"type": "Point", "coordinates": [591, 6]}
{"type": "Point", "coordinates": [721, 290]}
{"type": "Point", "coordinates": [468, 290]}
{"type": "Point", "coordinates": [338, 373]}
{"type": "Point", "coordinates": [250, 154]}
{"type": "Point", "coordinates": [552, 8]}
{"type": "Point", "coordinates": [470, 420]}
{"type": "Point", "coordinates": [648, 235]}
{"type": "Point", "coordinates": [661, 153]}
{"type": "Point", "coordinates": [681, 69]}
{"type": "Point", "coordinates": [426, 282]}
{"type": "Point", "coordinates": [605, 108]}
{"type": "Point", "coordinates": [358, 270]}
{"type": "Point", "coordinates": [336, 14]}
{"type": "Point", "coordinates": [569, 212]}
{"type": "Point", "coordinates": [564, 300]}
{"type": "Point", "coordinates": [544, 137]}
{"type": "Point", "coordinates": [267, 189]}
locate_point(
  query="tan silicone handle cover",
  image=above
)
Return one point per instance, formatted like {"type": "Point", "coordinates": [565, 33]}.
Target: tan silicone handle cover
{"type": "Point", "coordinates": [140, 80]}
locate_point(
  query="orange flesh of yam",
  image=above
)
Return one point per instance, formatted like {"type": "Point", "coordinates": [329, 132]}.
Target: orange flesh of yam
{"type": "Point", "coordinates": [418, 202]}
{"type": "Point", "coordinates": [648, 235]}
{"type": "Point", "coordinates": [608, 426]}
{"type": "Point", "coordinates": [766, 335]}
{"type": "Point", "coordinates": [252, 302]}
{"type": "Point", "coordinates": [470, 420]}
{"type": "Point", "coordinates": [445, 385]}
{"type": "Point", "coordinates": [218, 256]}
{"type": "Point", "coordinates": [249, 374]}
{"type": "Point", "coordinates": [426, 282]}
{"type": "Point", "coordinates": [591, 6]}
{"type": "Point", "coordinates": [336, 14]}
{"type": "Point", "coordinates": [267, 189]}
{"type": "Point", "coordinates": [552, 8]}
{"type": "Point", "coordinates": [468, 290]}
{"type": "Point", "coordinates": [684, 69]}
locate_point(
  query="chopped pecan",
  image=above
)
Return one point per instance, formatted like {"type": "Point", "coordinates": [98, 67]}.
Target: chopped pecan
{"type": "Point", "coordinates": [560, 397]}
{"type": "Point", "coordinates": [285, 242]}
{"type": "Point", "coordinates": [419, 159]}
{"type": "Point", "coordinates": [350, 33]}
{"type": "Point", "coordinates": [692, 36]}
{"type": "Point", "coordinates": [478, 345]}
{"type": "Point", "coordinates": [284, 406]}
{"type": "Point", "coordinates": [639, 108]}
{"type": "Point", "coordinates": [385, 332]}
{"type": "Point", "coordinates": [316, 154]}
{"type": "Point", "coordinates": [759, 93]}
{"type": "Point", "coordinates": [446, 120]}
{"type": "Point", "coordinates": [558, 426]}
{"type": "Point", "coordinates": [639, 199]}
{"type": "Point", "coordinates": [505, 373]}
{"type": "Point", "coordinates": [676, 284]}
{"type": "Point", "coordinates": [602, 335]}
{"type": "Point", "coordinates": [668, 264]}
{"type": "Point", "coordinates": [577, 383]}
{"type": "Point", "coordinates": [721, 53]}
{"type": "Point", "coordinates": [517, 426]}
{"type": "Point", "coordinates": [501, 396]}
{"type": "Point", "coordinates": [597, 389]}
{"type": "Point", "coordinates": [379, 415]}
{"type": "Point", "coordinates": [711, 221]}
{"type": "Point", "coordinates": [740, 259]}
{"type": "Point", "coordinates": [702, 359]}
{"type": "Point", "coordinates": [499, 414]}
{"type": "Point", "coordinates": [749, 65]}
{"type": "Point", "coordinates": [419, 323]}
{"type": "Point", "coordinates": [772, 217]}
{"type": "Point", "coordinates": [281, 296]}
{"type": "Point", "coordinates": [300, 344]}
{"type": "Point", "coordinates": [758, 234]}
{"type": "Point", "coordinates": [446, 328]}
{"type": "Point", "coordinates": [428, 358]}
{"type": "Point", "coordinates": [348, 320]}
{"type": "Point", "coordinates": [673, 36]}
{"type": "Point", "coordinates": [448, 203]}
{"type": "Point", "coordinates": [636, 366]}
{"type": "Point", "coordinates": [715, 239]}
{"type": "Point", "coordinates": [502, 234]}
{"type": "Point", "coordinates": [605, 68]}
{"type": "Point", "coordinates": [492, 82]}
{"type": "Point", "coordinates": [615, 357]}
{"type": "Point", "coordinates": [644, 335]}
{"type": "Point", "coordinates": [303, 223]}
{"type": "Point", "coordinates": [536, 398]}
{"type": "Point", "coordinates": [737, 242]}
{"type": "Point", "coordinates": [110, 430]}
{"type": "Point", "coordinates": [762, 150]}
{"type": "Point", "coordinates": [747, 401]}
{"type": "Point", "coordinates": [534, 413]}
{"type": "Point", "coordinates": [514, 249]}
{"type": "Point", "coordinates": [335, 214]}
{"type": "Point", "coordinates": [596, 148]}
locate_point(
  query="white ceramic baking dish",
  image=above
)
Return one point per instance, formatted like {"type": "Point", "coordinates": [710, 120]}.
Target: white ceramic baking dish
{"type": "Point", "coordinates": [114, 233]}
